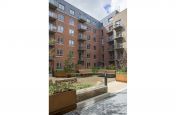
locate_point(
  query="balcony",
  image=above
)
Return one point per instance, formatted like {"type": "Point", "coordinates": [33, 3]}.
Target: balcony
{"type": "Point", "coordinates": [111, 39]}
{"type": "Point", "coordinates": [52, 28]}
{"type": "Point", "coordinates": [119, 36]}
{"type": "Point", "coordinates": [119, 46]}
{"type": "Point", "coordinates": [53, 4]}
{"type": "Point", "coordinates": [111, 49]}
{"type": "Point", "coordinates": [81, 48]}
{"type": "Point", "coordinates": [81, 37]}
{"type": "Point", "coordinates": [82, 28]}
{"type": "Point", "coordinates": [82, 19]}
{"type": "Point", "coordinates": [118, 27]}
{"type": "Point", "coordinates": [110, 31]}
{"type": "Point", "coordinates": [52, 16]}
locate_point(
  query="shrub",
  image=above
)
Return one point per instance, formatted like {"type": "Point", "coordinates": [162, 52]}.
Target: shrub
{"type": "Point", "coordinates": [56, 87]}
{"type": "Point", "coordinates": [95, 70]}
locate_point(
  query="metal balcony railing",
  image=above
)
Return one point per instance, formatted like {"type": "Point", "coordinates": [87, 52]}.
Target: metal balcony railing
{"type": "Point", "coordinates": [119, 46]}
{"type": "Point", "coordinates": [118, 27]}
{"type": "Point", "coordinates": [52, 15]}
{"type": "Point", "coordinates": [82, 27]}
{"type": "Point", "coordinates": [81, 19]}
{"type": "Point", "coordinates": [53, 4]}
{"type": "Point", "coordinates": [81, 37]}
{"type": "Point", "coordinates": [52, 28]}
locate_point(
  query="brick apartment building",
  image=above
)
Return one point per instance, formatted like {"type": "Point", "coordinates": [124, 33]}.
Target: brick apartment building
{"type": "Point", "coordinates": [92, 42]}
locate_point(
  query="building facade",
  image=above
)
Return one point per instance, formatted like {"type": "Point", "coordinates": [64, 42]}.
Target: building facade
{"type": "Point", "coordinates": [91, 42]}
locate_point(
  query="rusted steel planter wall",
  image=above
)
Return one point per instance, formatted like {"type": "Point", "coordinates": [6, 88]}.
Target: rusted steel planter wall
{"type": "Point", "coordinates": [62, 102]}
{"type": "Point", "coordinates": [122, 77]}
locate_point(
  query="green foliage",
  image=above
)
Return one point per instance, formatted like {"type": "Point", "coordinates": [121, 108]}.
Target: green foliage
{"type": "Point", "coordinates": [122, 70]}
{"type": "Point", "coordinates": [55, 87]}
{"type": "Point", "coordinates": [68, 64]}
{"type": "Point", "coordinates": [52, 42]}
{"type": "Point", "coordinates": [111, 67]}
{"type": "Point", "coordinates": [78, 86]}
{"type": "Point", "coordinates": [95, 69]}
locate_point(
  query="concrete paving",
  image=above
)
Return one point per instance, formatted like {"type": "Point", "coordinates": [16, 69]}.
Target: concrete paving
{"type": "Point", "coordinates": [113, 105]}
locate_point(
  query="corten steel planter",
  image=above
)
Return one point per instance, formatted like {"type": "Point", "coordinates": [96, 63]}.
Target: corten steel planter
{"type": "Point", "coordinates": [60, 74]}
{"type": "Point", "coordinates": [62, 102]}
{"type": "Point", "coordinates": [122, 77]}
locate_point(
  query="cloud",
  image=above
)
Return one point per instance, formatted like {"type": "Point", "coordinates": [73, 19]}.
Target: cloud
{"type": "Point", "coordinates": [95, 8]}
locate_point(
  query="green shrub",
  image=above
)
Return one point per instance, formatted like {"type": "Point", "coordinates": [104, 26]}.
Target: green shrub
{"type": "Point", "coordinates": [55, 87]}
{"type": "Point", "coordinates": [78, 86]}
{"type": "Point", "coordinates": [95, 69]}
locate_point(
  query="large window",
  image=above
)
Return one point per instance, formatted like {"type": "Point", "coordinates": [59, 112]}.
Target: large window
{"type": "Point", "coordinates": [88, 46]}
{"type": "Point", "coordinates": [60, 29]}
{"type": "Point", "coordinates": [71, 42]}
{"type": "Point", "coordinates": [71, 32]}
{"type": "Point", "coordinates": [94, 47]}
{"type": "Point", "coordinates": [60, 40]}
{"type": "Point", "coordinates": [72, 12]}
{"type": "Point", "coordinates": [88, 55]}
{"type": "Point", "coordinates": [59, 52]}
{"type": "Point", "coordinates": [62, 7]}
{"type": "Point", "coordinates": [94, 56]}
{"type": "Point", "coordinates": [59, 65]}
{"type": "Point", "coordinates": [71, 21]}
{"type": "Point", "coordinates": [61, 17]}
{"type": "Point", "coordinates": [88, 37]}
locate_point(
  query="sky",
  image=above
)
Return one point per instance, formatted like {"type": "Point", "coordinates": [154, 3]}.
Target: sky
{"type": "Point", "coordinates": [99, 8]}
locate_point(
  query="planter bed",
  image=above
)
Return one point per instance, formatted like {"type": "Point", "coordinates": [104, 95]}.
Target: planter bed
{"type": "Point", "coordinates": [122, 77]}
{"type": "Point", "coordinates": [62, 102]}
{"type": "Point", "coordinates": [87, 93]}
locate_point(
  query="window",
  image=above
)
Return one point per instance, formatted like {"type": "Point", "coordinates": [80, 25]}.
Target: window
{"type": "Point", "coordinates": [94, 31]}
{"type": "Point", "coordinates": [94, 47]}
{"type": "Point", "coordinates": [71, 32]}
{"type": "Point", "coordinates": [71, 21]}
{"type": "Point", "coordinates": [60, 40]}
{"type": "Point", "coordinates": [61, 6]}
{"type": "Point", "coordinates": [59, 52]}
{"type": "Point", "coordinates": [88, 64]}
{"type": "Point", "coordinates": [95, 64]}
{"type": "Point", "coordinates": [72, 12]}
{"type": "Point", "coordinates": [102, 41]}
{"type": "Point", "coordinates": [102, 32]}
{"type": "Point", "coordinates": [59, 65]}
{"type": "Point", "coordinates": [94, 39]}
{"type": "Point", "coordinates": [88, 37]}
{"type": "Point", "coordinates": [71, 42]}
{"type": "Point", "coordinates": [94, 56]}
{"type": "Point", "coordinates": [71, 52]}
{"type": "Point", "coordinates": [60, 29]}
{"type": "Point", "coordinates": [61, 17]}
{"type": "Point", "coordinates": [88, 46]}
{"type": "Point", "coordinates": [88, 55]}
{"type": "Point", "coordinates": [110, 19]}
{"type": "Point", "coordinates": [88, 20]}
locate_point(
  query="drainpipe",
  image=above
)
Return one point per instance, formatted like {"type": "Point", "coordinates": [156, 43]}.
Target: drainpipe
{"type": "Point", "coordinates": [105, 78]}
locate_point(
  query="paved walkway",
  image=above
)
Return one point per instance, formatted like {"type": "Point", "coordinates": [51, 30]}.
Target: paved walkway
{"type": "Point", "coordinates": [114, 86]}
{"type": "Point", "coordinates": [115, 105]}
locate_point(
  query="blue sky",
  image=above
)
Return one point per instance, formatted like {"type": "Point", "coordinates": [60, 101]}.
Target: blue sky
{"type": "Point", "coordinates": [96, 8]}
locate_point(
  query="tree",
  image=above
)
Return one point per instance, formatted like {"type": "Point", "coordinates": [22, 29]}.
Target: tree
{"type": "Point", "coordinates": [68, 64]}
